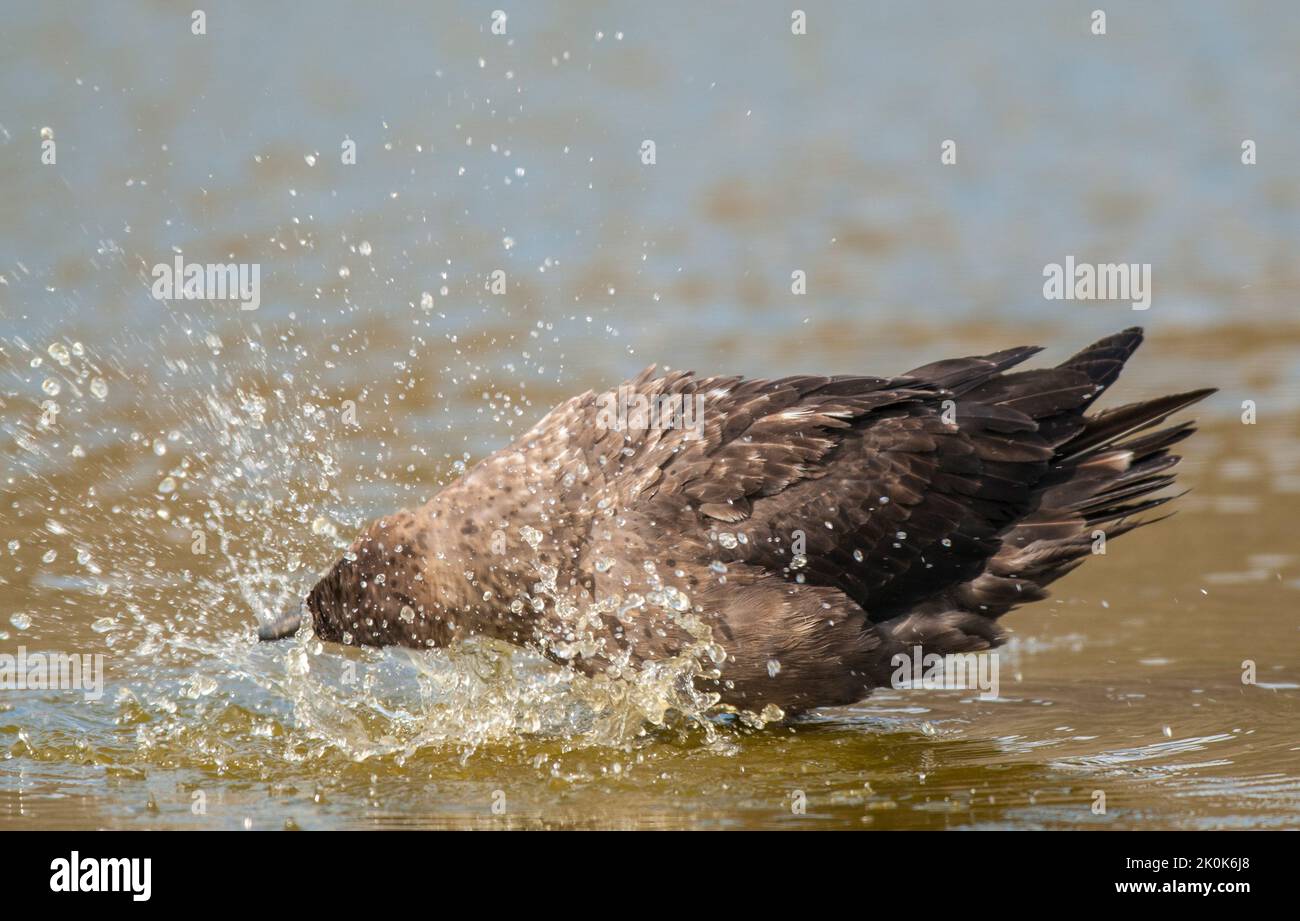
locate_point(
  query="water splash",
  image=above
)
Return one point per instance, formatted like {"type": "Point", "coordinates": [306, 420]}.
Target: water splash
{"type": "Point", "coordinates": [215, 500]}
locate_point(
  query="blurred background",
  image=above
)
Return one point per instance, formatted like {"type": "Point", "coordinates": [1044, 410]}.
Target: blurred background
{"type": "Point", "coordinates": [522, 152]}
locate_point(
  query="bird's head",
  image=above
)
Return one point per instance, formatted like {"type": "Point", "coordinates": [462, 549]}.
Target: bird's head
{"type": "Point", "coordinates": [373, 595]}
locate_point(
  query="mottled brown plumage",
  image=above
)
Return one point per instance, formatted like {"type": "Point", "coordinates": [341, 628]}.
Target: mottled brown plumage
{"type": "Point", "coordinates": [925, 506]}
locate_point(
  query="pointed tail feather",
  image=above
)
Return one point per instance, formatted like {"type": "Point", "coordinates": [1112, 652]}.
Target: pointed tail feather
{"type": "Point", "coordinates": [1106, 469]}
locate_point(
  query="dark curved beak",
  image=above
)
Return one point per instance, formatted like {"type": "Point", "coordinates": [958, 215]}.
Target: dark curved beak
{"type": "Point", "coordinates": [280, 626]}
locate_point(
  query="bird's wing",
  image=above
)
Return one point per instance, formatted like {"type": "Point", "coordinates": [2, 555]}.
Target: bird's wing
{"type": "Point", "coordinates": [858, 483]}
{"type": "Point", "coordinates": [898, 492]}
{"type": "Point", "coordinates": [907, 503]}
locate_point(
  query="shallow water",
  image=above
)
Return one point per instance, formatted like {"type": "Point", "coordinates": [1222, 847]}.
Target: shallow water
{"type": "Point", "coordinates": [477, 153]}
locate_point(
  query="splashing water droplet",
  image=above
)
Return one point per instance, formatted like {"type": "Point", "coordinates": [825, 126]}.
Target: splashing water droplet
{"type": "Point", "coordinates": [298, 664]}
{"type": "Point", "coordinates": [198, 686]}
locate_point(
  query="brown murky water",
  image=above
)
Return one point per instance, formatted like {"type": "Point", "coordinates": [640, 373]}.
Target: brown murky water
{"type": "Point", "coordinates": [195, 471]}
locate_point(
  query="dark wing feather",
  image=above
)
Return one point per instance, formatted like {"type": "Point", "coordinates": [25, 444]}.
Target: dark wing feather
{"type": "Point", "coordinates": [894, 500]}
{"type": "Point", "coordinates": [881, 493]}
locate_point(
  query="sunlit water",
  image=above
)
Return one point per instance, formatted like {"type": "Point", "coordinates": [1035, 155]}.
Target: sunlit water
{"type": "Point", "coordinates": [172, 471]}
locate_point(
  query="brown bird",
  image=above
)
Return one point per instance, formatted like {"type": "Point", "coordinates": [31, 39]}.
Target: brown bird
{"type": "Point", "coordinates": [792, 535]}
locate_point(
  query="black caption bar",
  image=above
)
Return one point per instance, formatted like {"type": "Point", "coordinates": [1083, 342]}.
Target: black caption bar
{"type": "Point", "coordinates": [133, 871]}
